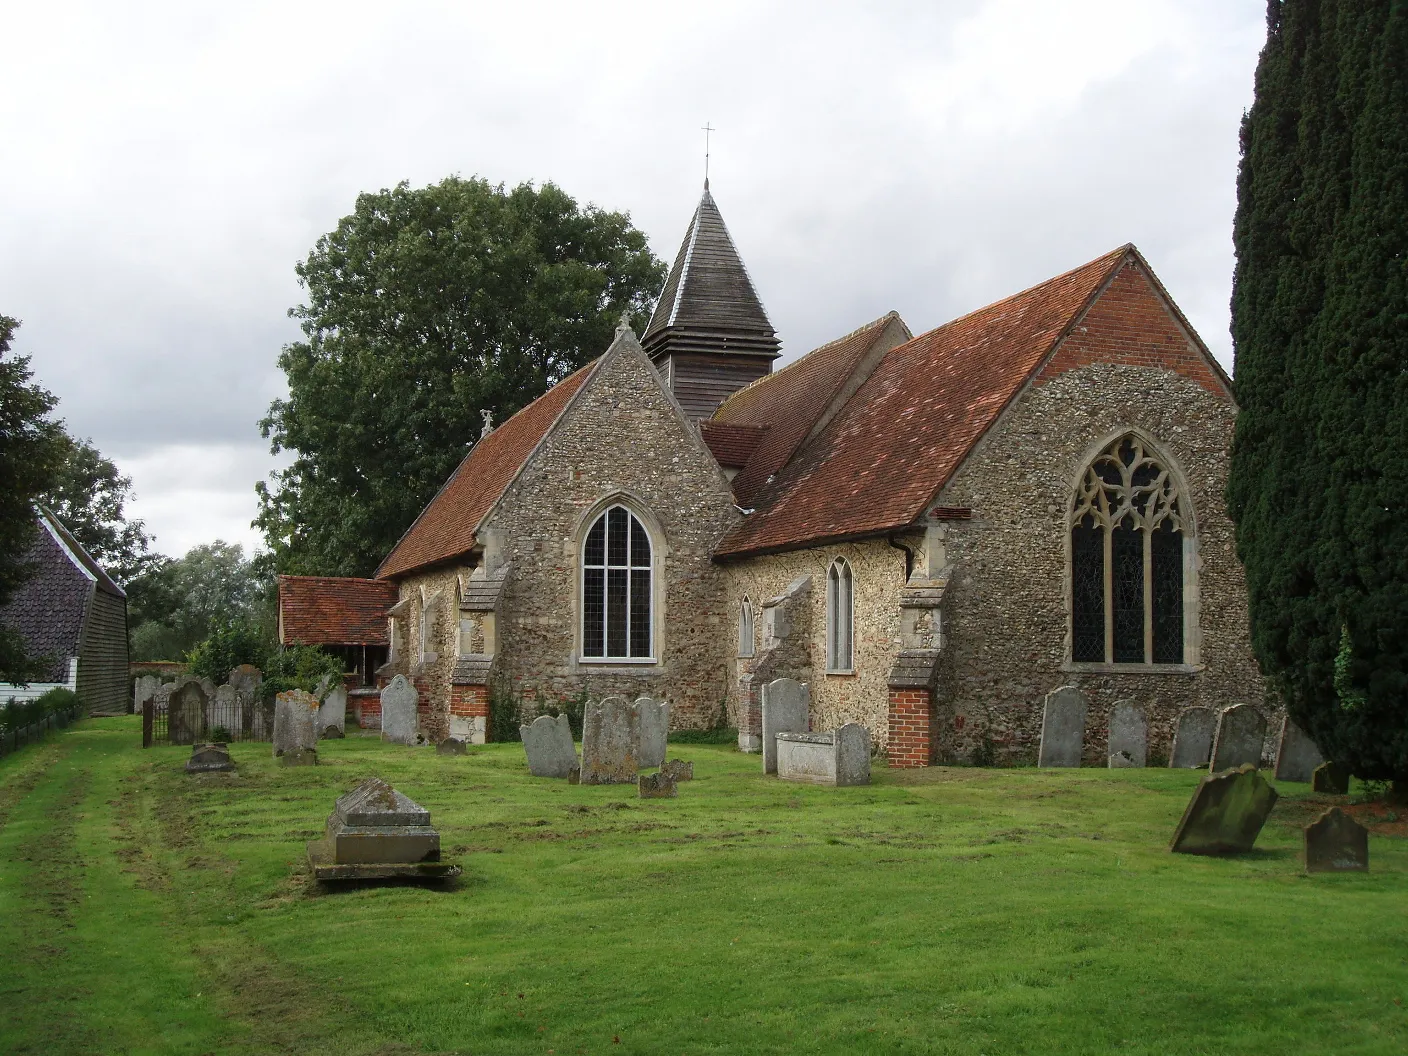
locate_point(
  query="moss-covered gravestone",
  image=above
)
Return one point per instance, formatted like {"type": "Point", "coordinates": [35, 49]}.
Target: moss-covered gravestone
{"type": "Point", "coordinates": [1225, 814]}
{"type": "Point", "coordinates": [1336, 843]}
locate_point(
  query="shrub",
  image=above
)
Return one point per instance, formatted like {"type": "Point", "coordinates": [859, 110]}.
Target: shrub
{"type": "Point", "coordinates": [504, 712]}
{"type": "Point", "coordinates": [55, 700]}
{"type": "Point", "coordinates": [225, 649]}
{"type": "Point", "coordinates": [985, 754]}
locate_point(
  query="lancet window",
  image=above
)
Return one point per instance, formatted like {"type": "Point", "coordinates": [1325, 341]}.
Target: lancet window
{"type": "Point", "coordinates": [840, 618]}
{"type": "Point", "coordinates": [745, 627]}
{"type": "Point", "coordinates": [1128, 531]}
{"type": "Point", "coordinates": [617, 602]}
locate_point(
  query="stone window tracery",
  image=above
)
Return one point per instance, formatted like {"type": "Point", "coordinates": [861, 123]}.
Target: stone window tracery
{"type": "Point", "coordinates": [1128, 533]}
{"type": "Point", "coordinates": [616, 588]}
{"type": "Point", "coordinates": [840, 618]}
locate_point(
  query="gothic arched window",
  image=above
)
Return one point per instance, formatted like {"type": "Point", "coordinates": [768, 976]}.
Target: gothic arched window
{"type": "Point", "coordinates": [840, 620]}
{"type": "Point", "coordinates": [1127, 560]}
{"type": "Point", "coordinates": [745, 627]}
{"type": "Point", "coordinates": [616, 589]}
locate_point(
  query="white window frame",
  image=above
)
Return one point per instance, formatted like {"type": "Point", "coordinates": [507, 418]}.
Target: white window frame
{"type": "Point", "coordinates": [840, 618]}
{"type": "Point", "coordinates": [631, 568]}
{"type": "Point", "coordinates": [746, 648]}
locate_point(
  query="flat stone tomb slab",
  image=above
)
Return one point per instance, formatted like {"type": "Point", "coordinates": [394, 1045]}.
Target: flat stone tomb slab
{"type": "Point", "coordinates": [1336, 843]}
{"type": "Point", "coordinates": [1225, 814]}
{"type": "Point", "coordinates": [840, 758]}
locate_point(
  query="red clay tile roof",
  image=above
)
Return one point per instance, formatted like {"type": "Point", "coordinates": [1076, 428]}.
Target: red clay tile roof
{"type": "Point", "coordinates": [731, 445]}
{"type": "Point", "coordinates": [878, 463]}
{"type": "Point", "coordinates": [789, 402]}
{"type": "Point", "coordinates": [325, 610]}
{"type": "Point", "coordinates": [446, 527]}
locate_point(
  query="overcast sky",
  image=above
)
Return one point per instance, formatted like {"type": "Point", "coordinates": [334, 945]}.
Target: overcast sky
{"type": "Point", "coordinates": [164, 166]}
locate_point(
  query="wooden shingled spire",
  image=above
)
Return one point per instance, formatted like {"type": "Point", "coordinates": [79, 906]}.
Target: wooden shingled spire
{"type": "Point", "coordinates": [709, 335]}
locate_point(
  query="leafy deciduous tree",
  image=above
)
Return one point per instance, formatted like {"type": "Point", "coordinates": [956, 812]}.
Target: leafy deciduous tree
{"type": "Point", "coordinates": [88, 495]}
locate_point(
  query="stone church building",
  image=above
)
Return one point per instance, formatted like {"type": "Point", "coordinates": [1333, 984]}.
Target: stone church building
{"type": "Point", "coordinates": [933, 532]}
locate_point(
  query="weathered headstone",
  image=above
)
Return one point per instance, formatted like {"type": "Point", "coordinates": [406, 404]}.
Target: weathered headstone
{"type": "Point", "coordinates": [1241, 733]}
{"type": "Point", "coordinates": [1330, 778]}
{"type": "Point", "coordinates": [223, 712]}
{"type": "Point", "coordinates": [1062, 728]}
{"type": "Point", "coordinates": [143, 689]}
{"type": "Point", "coordinates": [209, 759]}
{"type": "Point", "coordinates": [574, 776]}
{"type": "Point", "coordinates": [657, 786]}
{"type": "Point", "coordinates": [295, 712]}
{"type": "Point", "coordinates": [610, 742]}
{"type": "Point", "coordinates": [299, 757]}
{"type": "Point", "coordinates": [838, 758]}
{"type": "Point", "coordinates": [375, 832]}
{"type": "Point", "coordinates": [1192, 739]}
{"type": "Point", "coordinates": [654, 731]}
{"type": "Point", "coordinates": [1336, 843]}
{"type": "Point", "coordinates": [1129, 735]}
{"type": "Point", "coordinates": [332, 712]}
{"type": "Point", "coordinates": [256, 713]}
{"type": "Point", "coordinates": [547, 742]}
{"type": "Point", "coordinates": [331, 733]}
{"type": "Point", "coordinates": [678, 769]}
{"type": "Point", "coordinates": [246, 679]}
{"type": "Point", "coordinates": [321, 689]}
{"type": "Point", "coordinates": [852, 755]}
{"type": "Point", "coordinates": [1225, 814]}
{"type": "Point", "coordinates": [450, 746]}
{"type": "Point", "coordinates": [185, 710]}
{"type": "Point", "coordinates": [1296, 754]}
{"type": "Point", "coordinates": [787, 706]}
{"type": "Point", "coordinates": [398, 711]}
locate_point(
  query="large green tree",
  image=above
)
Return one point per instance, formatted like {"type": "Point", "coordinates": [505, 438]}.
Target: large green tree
{"type": "Point", "coordinates": [31, 448]}
{"type": "Point", "coordinates": [176, 603]}
{"type": "Point", "coordinates": [426, 306]}
{"type": "Point", "coordinates": [1319, 474]}
{"type": "Point", "coordinates": [88, 495]}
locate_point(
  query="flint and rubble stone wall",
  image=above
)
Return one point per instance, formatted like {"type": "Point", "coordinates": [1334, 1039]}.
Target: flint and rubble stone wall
{"type": "Point", "coordinates": [430, 676]}
{"type": "Point", "coordinates": [878, 576]}
{"type": "Point", "coordinates": [621, 436]}
{"type": "Point", "coordinates": [1006, 641]}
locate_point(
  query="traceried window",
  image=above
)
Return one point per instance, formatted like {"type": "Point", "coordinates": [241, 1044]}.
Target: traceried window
{"type": "Point", "coordinates": [745, 628]}
{"type": "Point", "coordinates": [840, 619]}
{"type": "Point", "coordinates": [1127, 559]}
{"type": "Point", "coordinates": [616, 589]}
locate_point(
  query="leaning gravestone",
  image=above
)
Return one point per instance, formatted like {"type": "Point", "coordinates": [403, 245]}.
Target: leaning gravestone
{"type": "Point", "coordinates": [1296, 754]}
{"type": "Point", "coordinates": [1192, 739]}
{"type": "Point", "coordinates": [398, 711]}
{"type": "Point", "coordinates": [209, 759]}
{"type": "Point", "coordinates": [678, 770]}
{"type": "Point", "coordinates": [332, 712]}
{"type": "Point", "coordinates": [1062, 728]}
{"type": "Point", "coordinates": [1129, 735]}
{"type": "Point", "coordinates": [1225, 814]}
{"type": "Point", "coordinates": [295, 713]}
{"type": "Point", "coordinates": [185, 710]}
{"type": "Point", "coordinates": [1241, 732]}
{"type": "Point", "coordinates": [299, 757]}
{"type": "Point", "coordinates": [654, 731]}
{"type": "Point", "coordinates": [1330, 778]}
{"type": "Point", "coordinates": [787, 706]}
{"type": "Point", "coordinates": [547, 742]}
{"type": "Point", "coordinates": [1336, 843]}
{"type": "Point", "coordinates": [610, 742]}
{"type": "Point", "coordinates": [657, 786]}
{"type": "Point", "coordinates": [143, 689]}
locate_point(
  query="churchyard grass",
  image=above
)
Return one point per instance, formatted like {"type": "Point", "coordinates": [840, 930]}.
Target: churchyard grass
{"type": "Point", "coordinates": [947, 910]}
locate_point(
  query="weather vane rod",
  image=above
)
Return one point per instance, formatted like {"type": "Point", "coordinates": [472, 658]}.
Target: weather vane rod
{"type": "Point", "coordinates": [706, 130]}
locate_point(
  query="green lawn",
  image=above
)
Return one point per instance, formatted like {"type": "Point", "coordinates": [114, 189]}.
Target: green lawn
{"type": "Point", "coordinates": [947, 910]}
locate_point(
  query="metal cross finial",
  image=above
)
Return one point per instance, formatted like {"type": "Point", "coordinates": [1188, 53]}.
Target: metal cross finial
{"type": "Point", "coordinates": [706, 130]}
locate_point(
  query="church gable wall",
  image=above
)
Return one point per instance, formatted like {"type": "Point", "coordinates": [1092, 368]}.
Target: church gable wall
{"type": "Point", "coordinates": [622, 436]}
{"type": "Point", "coordinates": [429, 672]}
{"type": "Point", "coordinates": [1008, 596]}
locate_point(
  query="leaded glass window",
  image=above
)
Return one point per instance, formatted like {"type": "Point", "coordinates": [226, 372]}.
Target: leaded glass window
{"type": "Point", "coordinates": [616, 588]}
{"type": "Point", "coordinates": [1127, 560]}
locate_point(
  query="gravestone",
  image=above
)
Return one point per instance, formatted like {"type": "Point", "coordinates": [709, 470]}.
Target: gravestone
{"type": "Point", "coordinates": [1296, 754]}
{"type": "Point", "coordinates": [246, 679]}
{"type": "Point", "coordinates": [787, 706]}
{"type": "Point", "coordinates": [299, 757]}
{"type": "Point", "coordinates": [1129, 735]}
{"type": "Point", "coordinates": [1062, 728]}
{"type": "Point", "coordinates": [1336, 843]}
{"type": "Point", "coordinates": [1330, 778]}
{"type": "Point", "coordinates": [295, 712]}
{"type": "Point", "coordinates": [654, 731]}
{"type": "Point", "coordinates": [547, 742]}
{"type": "Point", "coordinates": [679, 770]}
{"type": "Point", "coordinates": [144, 688]}
{"type": "Point", "coordinates": [332, 712]}
{"type": "Point", "coordinates": [185, 710]}
{"type": "Point", "coordinates": [610, 742]}
{"type": "Point", "coordinates": [657, 786]}
{"type": "Point", "coordinates": [256, 713]}
{"type": "Point", "coordinates": [224, 712]}
{"type": "Point", "coordinates": [375, 832]}
{"type": "Point", "coordinates": [1241, 732]}
{"type": "Point", "coordinates": [1192, 739]}
{"type": "Point", "coordinates": [450, 746]}
{"type": "Point", "coordinates": [321, 689]}
{"type": "Point", "coordinates": [1225, 814]}
{"type": "Point", "coordinates": [839, 758]}
{"type": "Point", "coordinates": [574, 776]}
{"type": "Point", "coordinates": [209, 759]}
{"type": "Point", "coordinates": [398, 711]}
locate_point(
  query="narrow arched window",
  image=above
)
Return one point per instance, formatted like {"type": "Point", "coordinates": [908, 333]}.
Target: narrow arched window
{"type": "Point", "coordinates": [840, 621]}
{"type": "Point", "coordinates": [745, 627]}
{"type": "Point", "coordinates": [424, 628]}
{"type": "Point", "coordinates": [617, 605]}
{"type": "Point", "coordinates": [1127, 560]}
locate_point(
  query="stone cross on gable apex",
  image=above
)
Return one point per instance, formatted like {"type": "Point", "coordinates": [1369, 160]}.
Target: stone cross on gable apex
{"type": "Point", "coordinates": [625, 323]}
{"type": "Point", "coordinates": [488, 415]}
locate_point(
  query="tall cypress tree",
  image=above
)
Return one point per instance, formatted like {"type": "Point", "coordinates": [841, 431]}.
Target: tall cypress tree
{"type": "Point", "coordinates": [1319, 478]}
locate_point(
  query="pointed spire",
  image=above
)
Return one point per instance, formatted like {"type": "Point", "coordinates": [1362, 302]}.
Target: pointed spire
{"type": "Point", "coordinates": [708, 305]}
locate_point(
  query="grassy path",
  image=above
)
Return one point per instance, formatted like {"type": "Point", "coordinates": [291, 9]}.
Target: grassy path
{"type": "Point", "coordinates": [940, 911]}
